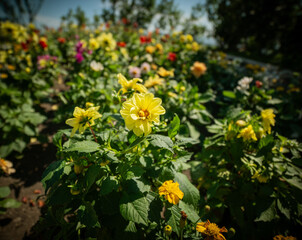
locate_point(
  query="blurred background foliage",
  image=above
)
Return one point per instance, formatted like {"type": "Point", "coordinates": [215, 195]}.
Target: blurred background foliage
{"type": "Point", "coordinates": [265, 31]}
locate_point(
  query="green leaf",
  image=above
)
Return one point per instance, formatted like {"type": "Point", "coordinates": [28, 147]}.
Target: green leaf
{"type": "Point", "coordinates": [161, 142]}
{"type": "Point", "coordinates": [134, 208]}
{"type": "Point", "coordinates": [135, 143]}
{"type": "Point", "coordinates": [52, 174]}
{"type": "Point", "coordinates": [4, 192]}
{"type": "Point", "coordinates": [295, 181]}
{"type": "Point", "coordinates": [10, 203]}
{"type": "Point", "coordinates": [57, 139]}
{"type": "Point", "coordinates": [108, 185]}
{"type": "Point", "coordinates": [131, 227]}
{"type": "Point", "coordinates": [174, 127]}
{"type": "Point", "coordinates": [283, 210]}
{"type": "Point", "coordinates": [84, 146]}
{"type": "Point", "coordinates": [67, 169]}
{"type": "Point", "coordinates": [173, 215]}
{"type": "Point", "coordinates": [190, 211]}
{"type": "Point", "coordinates": [91, 175]}
{"type": "Point", "coordinates": [274, 101]}
{"type": "Point", "coordinates": [229, 94]}
{"type": "Point", "coordinates": [88, 216]}
{"type": "Point", "coordinates": [267, 215]}
{"type": "Point", "coordinates": [29, 131]}
{"type": "Point", "coordinates": [191, 193]}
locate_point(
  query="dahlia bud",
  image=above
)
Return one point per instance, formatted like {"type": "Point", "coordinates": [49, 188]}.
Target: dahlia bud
{"type": "Point", "coordinates": [240, 123]}
{"type": "Point", "coordinates": [183, 219]}
{"type": "Point", "coordinates": [168, 230]}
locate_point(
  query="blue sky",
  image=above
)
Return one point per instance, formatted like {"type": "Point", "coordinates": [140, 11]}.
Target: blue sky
{"type": "Point", "coordinates": [52, 10]}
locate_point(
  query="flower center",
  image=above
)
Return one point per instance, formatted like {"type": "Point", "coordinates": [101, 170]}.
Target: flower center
{"type": "Point", "coordinates": [143, 113]}
{"type": "Point", "coordinates": [213, 229]}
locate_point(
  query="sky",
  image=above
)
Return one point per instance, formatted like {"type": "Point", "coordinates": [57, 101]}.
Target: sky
{"type": "Point", "coordinates": [52, 10]}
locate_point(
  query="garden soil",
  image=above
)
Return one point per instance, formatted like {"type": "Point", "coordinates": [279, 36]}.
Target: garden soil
{"type": "Point", "coordinates": [25, 185]}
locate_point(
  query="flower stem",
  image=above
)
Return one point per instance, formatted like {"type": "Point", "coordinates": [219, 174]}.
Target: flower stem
{"type": "Point", "coordinates": [92, 132]}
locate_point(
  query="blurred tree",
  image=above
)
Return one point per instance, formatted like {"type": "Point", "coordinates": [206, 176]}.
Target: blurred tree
{"type": "Point", "coordinates": [264, 30]}
{"type": "Point", "coordinates": [142, 12]}
{"type": "Point", "coordinates": [20, 11]}
{"type": "Point", "coordinates": [79, 17]}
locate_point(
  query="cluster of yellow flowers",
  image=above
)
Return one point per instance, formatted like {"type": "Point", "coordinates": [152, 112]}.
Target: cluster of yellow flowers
{"type": "Point", "coordinates": [173, 194]}
{"type": "Point", "coordinates": [248, 132]}
{"type": "Point", "coordinates": [105, 41]}
{"type": "Point", "coordinates": [83, 118]}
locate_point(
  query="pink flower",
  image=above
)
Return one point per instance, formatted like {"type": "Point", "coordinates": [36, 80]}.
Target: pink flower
{"type": "Point", "coordinates": [79, 57]}
{"type": "Point", "coordinates": [145, 67]}
{"type": "Point", "coordinates": [134, 72]}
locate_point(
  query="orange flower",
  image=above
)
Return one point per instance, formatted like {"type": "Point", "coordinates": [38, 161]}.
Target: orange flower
{"type": "Point", "coordinates": [211, 231]}
{"type": "Point", "coordinates": [198, 69]}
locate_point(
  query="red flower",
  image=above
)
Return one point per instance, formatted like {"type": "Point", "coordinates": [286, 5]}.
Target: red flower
{"type": "Point", "coordinates": [145, 39]}
{"type": "Point", "coordinates": [24, 46]}
{"type": "Point", "coordinates": [121, 44]}
{"type": "Point", "coordinates": [107, 25]}
{"type": "Point", "coordinates": [43, 44]}
{"type": "Point", "coordinates": [172, 56]}
{"type": "Point", "coordinates": [125, 20]}
{"type": "Point", "coordinates": [61, 40]}
{"type": "Point", "coordinates": [258, 84]}
{"type": "Point", "coordinates": [135, 25]}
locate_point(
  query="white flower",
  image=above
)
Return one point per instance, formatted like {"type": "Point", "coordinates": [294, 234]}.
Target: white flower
{"type": "Point", "coordinates": [145, 67]}
{"type": "Point", "coordinates": [244, 84]}
{"type": "Point", "coordinates": [96, 66]}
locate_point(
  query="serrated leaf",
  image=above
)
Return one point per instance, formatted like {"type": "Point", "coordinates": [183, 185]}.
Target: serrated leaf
{"type": "Point", "coordinates": [191, 193]}
{"type": "Point", "coordinates": [161, 142]}
{"type": "Point", "coordinates": [267, 215]}
{"type": "Point", "coordinates": [283, 210]}
{"type": "Point", "coordinates": [190, 211]}
{"type": "Point", "coordinates": [83, 146]}
{"type": "Point", "coordinates": [131, 227]}
{"type": "Point", "coordinates": [108, 185]}
{"type": "Point", "coordinates": [173, 215]}
{"type": "Point", "coordinates": [134, 208]}
{"type": "Point", "coordinates": [295, 181]}
{"type": "Point", "coordinates": [91, 175]}
{"type": "Point", "coordinates": [52, 174]}
{"type": "Point", "coordinates": [174, 127]}
{"type": "Point", "coordinates": [88, 216]}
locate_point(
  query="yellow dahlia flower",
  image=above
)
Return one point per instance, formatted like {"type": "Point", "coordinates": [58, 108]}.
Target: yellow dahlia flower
{"type": "Point", "coordinates": [154, 81]}
{"type": "Point", "coordinates": [247, 134]}
{"type": "Point", "coordinates": [268, 119]}
{"type": "Point", "coordinates": [171, 191]}
{"type": "Point", "coordinates": [211, 230]}
{"type": "Point", "coordinates": [140, 111]}
{"type": "Point", "coordinates": [107, 41]}
{"type": "Point", "coordinates": [82, 119]}
{"type": "Point", "coordinates": [131, 85]}
{"type": "Point", "coordinates": [165, 73]}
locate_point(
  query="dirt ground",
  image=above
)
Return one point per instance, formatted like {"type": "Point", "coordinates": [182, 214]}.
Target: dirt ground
{"type": "Point", "coordinates": [25, 185]}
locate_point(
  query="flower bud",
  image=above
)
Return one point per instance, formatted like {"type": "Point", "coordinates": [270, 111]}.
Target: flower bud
{"type": "Point", "coordinates": [207, 208]}
{"type": "Point", "coordinates": [183, 219]}
{"type": "Point", "coordinates": [168, 230]}
{"type": "Point", "coordinates": [74, 191]}
{"type": "Point", "coordinates": [231, 232]}
{"type": "Point", "coordinates": [240, 123]}
{"type": "Point", "coordinates": [78, 169]}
